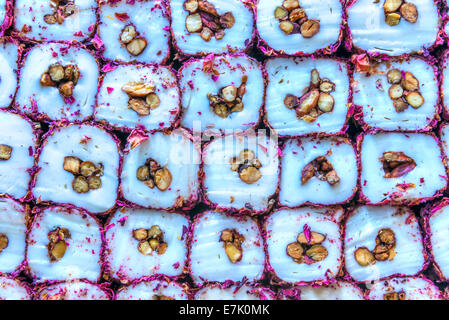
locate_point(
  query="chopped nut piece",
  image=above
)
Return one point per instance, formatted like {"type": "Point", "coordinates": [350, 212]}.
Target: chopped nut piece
{"type": "Point", "coordinates": [136, 46]}
{"type": "Point", "coordinates": [317, 253]}
{"type": "Point", "coordinates": [66, 89]}
{"type": "Point", "coordinates": [409, 12]}
{"type": "Point", "coordinates": [58, 251]}
{"type": "Point", "coordinates": [307, 173]}
{"type": "Point", "coordinates": [140, 234]}
{"type": "Point", "coordinates": [327, 86]}
{"type": "Point", "coordinates": [234, 254]}
{"type": "Point", "coordinates": [5, 152]}
{"type": "Point", "coordinates": [315, 78]}
{"type": "Point", "coordinates": [163, 179]}
{"type": "Point", "coordinates": [153, 100]}
{"type": "Point", "coordinates": [308, 101]}
{"type": "Point", "coordinates": [87, 168]}
{"type": "Point", "coordinates": [392, 19]}
{"type": "Point", "coordinates": [155, 232]}
{"type": "Point", "coordinates": [290, 4]}
{"type": "Point", "coordinates": [410, 83]}
{"type": "Point", "coordinates": [71, 73]}
{"type": "Point", "coordinates": [392, 5]}
{"type": "Point", "coordinates": [286, 26]}
{"type": "Point", "coordinates": [310, 28]}
{"type": "Point", "coordinates": [50, 19]}
{"type": "Point", "coordinates": [206, 34]}
{"type": "Point", "coordinates": [221, 110]}
{"type": "Point", "coordinates": [396, 164]}
{"type": "Point", "coordinates": [46, 80]}
{"type": "Point", "coordinates": [295, 250]}
{"type": "Point", "coordinates": [3, 242]}
{"type": "Point", "coordinates": [400, 105]}
{"type": "Point", "coordinates": [415, 99]}
{"type": "Point", "coordinates": [207, 7]}
{"type": "Point", "coordinates": [128, 34]}
{"type": "Point", "coordinates": [394, 76]}
{"type": "Point", "coordinates": [291, 101]}
{"type": "Point", "coordinates": [162, 248]}
{"type": "Point", "coordinates": [149, 183]}
{"type": "Point", "coordinates": [80, 185]}
{"type": "Point", "coordinates": [387, 236]}
{"type": "Point", "coordinates": [322, 169]}
{"type": "Point", "coordinates": [143, 173]}
{"type": "Point", "coordinates": [395, 91]}
{"type": "Point", "coordinates": [138, 89]}
{"type": "Point", "coordinates": [72, 164]}
{"type": "Point", "coordinates": [56, 72]}
{"type": "Point", "coordinates": [316, 238]}
{"type": "Point", "coordinates": [144, 248]}
{"type": "Point", "coordinates": [229, 93]}
{"type": "Point", "coordinates": [326, 102]}
{"type": "Point", "coordinates": [194, 23]}
{"type": "Point", "coordinates": [247, 155]}
{"type": "Point", "coordinates": [364, 257]}
{"type": "Point", "coordinates": [280, 13]}
{"type": "Point", "coordinates": [395, 296]}
{"type": "Point", "coordinates": [219, 34]}
{"type": "Point", "coordinates": [227, 235]}
{"type": "Point", "coordinates": [250, 175]}
{"type": "Point", "coordinates": [69, 10]}
{"type": "Point", "coordinates": [227, 20]}
{"type": "Point", "coordinates": [139, 106]}
{"type": "Point", "coordinates": [154, 244]}
{"type": "Point", "coordinates": [191, 5]}
{"type": "Point", "coordinates": [297, 14]}
{"type": "Point", "coordinates": [94, 182]}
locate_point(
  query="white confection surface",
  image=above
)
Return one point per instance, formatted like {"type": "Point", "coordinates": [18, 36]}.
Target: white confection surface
{"type": "Point", "coordinates": [439, 231]}
{"type": "Point", "coordinates": [224, 186]}
{"type": "Point", "coordinates": [337, 291]}
{"type": "Point", "coordinates": [49, 100]}
{"type": "Point", "coordinates": [112, 103]}
{"type": "Point", "coordinates": [17, 133]}
{"type": "Point", "coordinates": [151, 22]}
{"type": "Point", "coordinates": [124, 260]}
{"type": "Point", "coordinates": [235, 39]}
{"type": "Point", "coordinates": [414, 288]}
{"type": "Point", "coordinates": [196, 84]}
{"type": "Point", "coordinates": [8, 72]}
{"type": "Point", "coordinates": [11, 289]}
{"type": "Point", "coordinates": [232, 293]}
{"type": "Point", "coordinates": [13, 226]}
{"type": "Point", "coordinates": [82, 257]}
{"type": "Point", "coordinates": [328, 12]}
{"type": "Point", "coordinates": [371, 93]}
{"type": "Point", "coordinates": [362, 228]}
{"type": "Point", "coordinates": [150, 290]}
{"type": "Point", "coordinates": [76, 290]}
{"type": "Point", "coordinates": [283, 228]}
{"type": "Point", "coordinates": [298, 153]}
{"type": "Point", "coordinates": [426, 178]}
{"type": "Point", "coordinates": [180, 156]}
{"type": "Point", "coordinates": [370, 32]}
{"type": "Point", "coordinates": [445, 80]}
{"type": "Point", "coordinates": [88, 143]}
{"type": "Point", "coordinates": [75, 27]}
{"type": "Point", "coordinates": [292, 76]}
{"type": "Point", "coordinates": [208, 259]}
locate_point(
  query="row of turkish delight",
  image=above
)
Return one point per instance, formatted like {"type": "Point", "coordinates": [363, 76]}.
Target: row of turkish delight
{"type": "Point", "coordinates": [226, 93]}
{"type": "Point", "coordinates": [369, 245]}
{"type": "Point", "coordinates": [141, 30]}
{"type": "Point", "coordinates": [80, 165]}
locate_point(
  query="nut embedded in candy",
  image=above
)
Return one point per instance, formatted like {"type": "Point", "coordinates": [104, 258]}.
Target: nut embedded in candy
{"type": "Point", "coordinates": [308, 247]}
{"type": "Point", "coordinates": [364, 257]}
{"type": "Point", "coordinates": [4, 241]}
{"type": "Point", "coordinates": [86, 174]}
{"type": "Point", "coordinates": [404, 90]}
{"type": "Point", "coordinates": [310, 28]}
{"type": "Point", "coordinates": [396, 164]}
{"type": "Point", "coordinates": [142, 97]}
{"type": "Point", "coordinates": [136, 46]}
{"type": "Point", "coordinates": [128, 34]}
{"type": "Point", "coordinates": [317, 253]}
{"type": "Point", "coordinates": [394, 76]}
{"type": "Point", "coordinates": [315, 238]}
{"type": "Point", "coordinates": [321, 168]}
{"type": "Point", "coordinates": [395, 295]}
{"type": "Point", "coordinates": [191, 5]}
{"type": "Point", "coordinates": [152, 174]}
{"type": "Point", "coordinates": [410, 83]}
{"type": "Point", "coordinates": [409, 12]}
{"type": "Point", "coordinates": [293, 19]}
{"type": "Point", "coordinates": [247, 165]}
{"type": "Point", "coordinates": [150, 240]}
{"type": "Point", "coordinates": [57, 245]}
{"type": "Point", "coordinates": [383, 250]}
{"type": "Point", "coordinates": [394, 10]}
{"type": "Point", "coordinates": [62, 77]}
{"type": "Point", "coordinates": [228, 100]}
{"type": "Point", "coordinates": [392, 5]}
{"type": "Point", "coordinates": [61, 10]}
{"type": "Point", "coordinates": [415, 99]}
{"type": "Point", "coordinates": [5, 152]}
{"type": "Point", "coordinates": [232, 244]}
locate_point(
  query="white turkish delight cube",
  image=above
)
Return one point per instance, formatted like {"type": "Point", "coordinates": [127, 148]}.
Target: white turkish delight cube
{"type": "Point", "coordinates": [73, 290]}
{"type": "Point", "coordinates": [153, 290]}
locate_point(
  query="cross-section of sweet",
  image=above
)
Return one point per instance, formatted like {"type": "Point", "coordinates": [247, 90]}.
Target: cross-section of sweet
{"type": "Point", "coordinates": [78, 165]}
{"type": "Point", "coordinates": [58, 81]}
{"type": "Point", "coordinates": [341, 290]}
{"type": "Point", "coordinates": [397, 95]}
{"type": "Point", "coordinates": [221, 93]}
{"type": "Point", "coordinates": [225, 248]}
{"type": "Point", "coordinates": [154, 290]}
{"type": "Point", "coordinates": [304, 245]}
{"type": "Point", "coordinates": [211, 26]}
{"type": "Point", "coordinates": [306, 95]}
{"type": "Point", "coordinates": [234, 292]}
{"type": "Point", "coordinates": [161, 171]}
{"type": "Point", "coordinates": [394, 168]}
{"type": "Point", "coordinates": [13, 220]}
{"type": "Point", "coordinates": [298, 27]}
{"type": "Point", "coordinates": [317, 171]}
{"type": "Point", "coordinates": [384, 27]}
{"type": "Point", "coordinates": [17, 147]}
{"type": "Point", "coordinates": [64, 244]}
{"type": "Point", "coordinates": [55, 20]}
{"type": "Point", "coordinates": [382, 241]}
{"type": "Point", "coordinates": [73, 290]}
{"type": "Point", "coordinates": [241, 172]}
{"type": "Point", "coordinates": [13, 289]}
{"type": "Point", "coordinates": [134, 31]}
{"type": "Point", "coordinates": [142, 243]}
{"type": "Point", "coordinates": [408, 288]}
{"type": "Point", "coordinates": [133, 95]}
